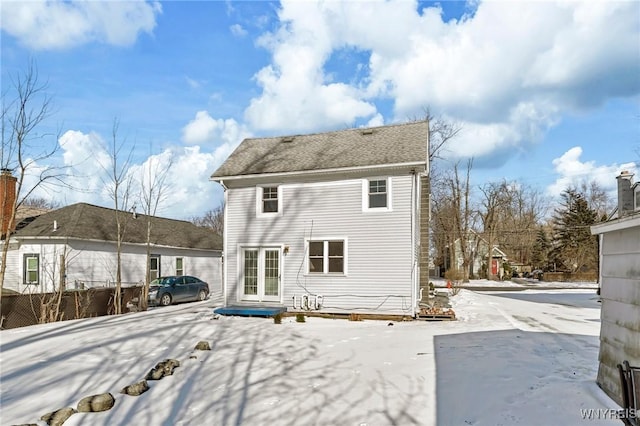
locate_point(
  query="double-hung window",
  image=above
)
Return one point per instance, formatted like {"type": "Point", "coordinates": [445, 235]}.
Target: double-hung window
{"type": "Point", "coordinates": [179, 266]}
{"type": "Point", "coordinates": [31, 269]}
{"type": "Point", "coordinates": [376, 194]}
{"type": "Point", "coordinates": [327, 256]}
{"type": "Point", "coordinates": [269, 200]}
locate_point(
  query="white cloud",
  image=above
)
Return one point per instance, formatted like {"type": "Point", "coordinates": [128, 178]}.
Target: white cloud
{"type": "Point", "coordinates": [572, 171]}
{"type": "Point", "coordinates": [237, 30]}
{"type": "Point", "coordinates": [87, 161]}
{"type": "Point", "coordinates": [201, 129]}
{"type": "Point", "coordinates": [509, 71]}
{"type": "Point", "coordinates": [204, 129]}
{"type": "Point", "coordinates": [60, 25]}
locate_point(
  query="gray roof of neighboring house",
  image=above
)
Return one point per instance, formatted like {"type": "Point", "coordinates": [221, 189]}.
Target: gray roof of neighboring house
{"type": "Point", "coordinates": [393, 144]}
{"type": "Point", "coordinates": [89, 222]}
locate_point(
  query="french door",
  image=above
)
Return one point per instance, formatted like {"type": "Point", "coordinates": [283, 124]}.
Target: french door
{"type": "Point", "coordinates": [261, 274]}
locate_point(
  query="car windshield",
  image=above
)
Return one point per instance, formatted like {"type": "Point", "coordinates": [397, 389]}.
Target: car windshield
{"type": "Point", "coordinates": [163, 281]}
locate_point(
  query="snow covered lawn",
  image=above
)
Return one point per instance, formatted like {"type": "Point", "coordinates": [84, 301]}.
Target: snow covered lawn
{"type": "Point", "coordinates": [525, 358]}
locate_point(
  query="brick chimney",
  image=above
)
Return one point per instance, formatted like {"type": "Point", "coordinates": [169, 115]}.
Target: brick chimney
{"type": "Point", "coordinates": [625, 193]}
{"type": "Point", "coordinates": [7, 198]}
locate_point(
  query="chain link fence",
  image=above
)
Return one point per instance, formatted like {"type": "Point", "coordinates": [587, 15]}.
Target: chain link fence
{"type": "Point", "coordinates": [21, 310]}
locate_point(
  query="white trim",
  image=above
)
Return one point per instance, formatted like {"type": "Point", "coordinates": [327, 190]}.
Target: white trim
{"type": "Point", "coordinates": [322, 171]}
{"type": "Point", "coordinates": [260, 297]}
{"type": "Point", "coordinates": [365, 195]}
{"type": "Point", "coordinates": [259, 205]}
{"type": "Point", "coordinates": [65, 240]}
{"type": "Point", "coordinates": [616, 225]}
{"type": "Point", "coordinates": [342, 182]}
{"type": "Point", "coordinates": [325, 253]}
{"type": "Point", "coordinates": [225, 250]}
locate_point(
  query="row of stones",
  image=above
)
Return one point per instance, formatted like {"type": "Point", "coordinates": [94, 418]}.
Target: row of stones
{"type": "Point", "coordinates": [106, 401]}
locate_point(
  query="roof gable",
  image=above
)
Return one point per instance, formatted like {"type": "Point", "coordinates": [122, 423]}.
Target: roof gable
{"type": "Point", "coordinates": [376, 146]}
{"type": "Point", "coordinates": [89, 222]}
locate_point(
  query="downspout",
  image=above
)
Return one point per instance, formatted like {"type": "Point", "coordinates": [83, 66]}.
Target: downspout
{"type": "Point", "coordinates": [224, 245]}
{"type": "Point", "coordinates": [415, 281]}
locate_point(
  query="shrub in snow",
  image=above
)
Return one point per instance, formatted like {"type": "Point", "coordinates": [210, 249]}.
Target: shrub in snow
{"type": "Point", "coordinates": [203, 346]}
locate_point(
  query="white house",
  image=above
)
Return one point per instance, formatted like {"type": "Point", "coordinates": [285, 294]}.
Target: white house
{"type": "Point", "coordinates": [327, 221]}
{"type": "Point", "coordinates": [620, 286]}
{"type": "Point", "coordinates": [479, 262]}
{"type": "Point", "coordinates": [76, 246]}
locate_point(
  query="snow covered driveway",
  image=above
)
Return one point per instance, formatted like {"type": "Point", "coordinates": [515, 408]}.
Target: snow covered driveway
{"type": "Point", "coordinates": [525, 358]}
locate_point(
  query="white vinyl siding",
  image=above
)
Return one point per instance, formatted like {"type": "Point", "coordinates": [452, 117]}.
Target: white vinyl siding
{"type": "Point", "coordinates": [93, 264]}
{"type": "Point", "coordinates": [378, 256]}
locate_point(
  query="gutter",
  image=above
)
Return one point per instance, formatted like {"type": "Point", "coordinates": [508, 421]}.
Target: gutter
{"type": "Point", "coordinates": [221, 179]}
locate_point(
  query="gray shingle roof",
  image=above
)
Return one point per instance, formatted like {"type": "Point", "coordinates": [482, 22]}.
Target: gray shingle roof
{"type": "Point", "coordinates": [86, 221]}
{"type": "Point", "coordinates": [394, 144]}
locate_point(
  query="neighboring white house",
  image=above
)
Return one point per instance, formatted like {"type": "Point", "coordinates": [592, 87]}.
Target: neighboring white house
{"type": "Point", "coordinates": [76, 246]}
{"type": "Point", "coordinates": [620, 286]}
{"type": "Point", "coordinates": [479, 262]}
{"type": "Point", "coordinates": [327, 221]}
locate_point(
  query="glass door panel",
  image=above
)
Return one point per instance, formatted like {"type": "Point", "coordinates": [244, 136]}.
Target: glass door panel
{"type": "Point", "coordinates": [272, 273]}
{"type": "Point", "coordinates": [250, 287]}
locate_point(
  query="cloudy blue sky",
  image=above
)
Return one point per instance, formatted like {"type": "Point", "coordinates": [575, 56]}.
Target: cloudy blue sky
{"type": "Point", "coordinates": [547, 93]}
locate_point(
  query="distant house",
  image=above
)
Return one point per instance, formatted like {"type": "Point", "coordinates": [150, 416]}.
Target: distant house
{"type": "Point", "coordinates": [620, 285]}
{"type": "Point", "coordinates": [76, 246]}
{"type": "Point", "coordinates": [328, 221]}
{"type": "Point", "coordinates": [480, 261]}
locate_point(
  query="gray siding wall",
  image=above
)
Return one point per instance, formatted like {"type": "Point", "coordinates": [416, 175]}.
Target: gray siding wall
{"type": "Point", "coordinates": [620, 294]}
{"type": "Point", "coordinates": [379, 251]}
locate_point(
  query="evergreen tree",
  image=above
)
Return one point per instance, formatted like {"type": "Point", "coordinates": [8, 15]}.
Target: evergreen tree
{"type": "Point", "coordinates": [540, 251]}
{"type": "Point", "coordinates": [575, 249]}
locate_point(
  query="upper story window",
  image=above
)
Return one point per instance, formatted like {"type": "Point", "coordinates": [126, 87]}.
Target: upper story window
{"type": "Point", "coordinates": [269, 200]}
{"type": "Point", "coordinates": [376, 194]}
{"type": "Point", "coordinates": [31, 269]}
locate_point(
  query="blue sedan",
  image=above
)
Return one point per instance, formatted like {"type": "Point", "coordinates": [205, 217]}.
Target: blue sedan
{"type": "Point", "coordinates": [164, 291]}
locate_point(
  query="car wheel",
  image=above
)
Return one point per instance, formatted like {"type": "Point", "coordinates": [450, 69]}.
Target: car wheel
{"type": "Point", "coordinates": [202, 295]}
{"type": "Point", "coordinates": [165, 300]}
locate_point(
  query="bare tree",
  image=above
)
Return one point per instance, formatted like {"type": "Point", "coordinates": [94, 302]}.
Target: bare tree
{"type": "Point", "coordinates": [454, 221]}
{"type": "Point", "coordinates": [119, 185]}
{"type": "Point", "coordinates": [493, 206]}
{"type": "Point", "coordinates": [25, 107]}
{"type": "Point", "coordinates": [213, 219]}
{"type": "Point", "coordinates": [441, 132]}
{"type": "Point", "coordinates": [153, 188]}
{"type": "Point", "coordinates": [40, 203]}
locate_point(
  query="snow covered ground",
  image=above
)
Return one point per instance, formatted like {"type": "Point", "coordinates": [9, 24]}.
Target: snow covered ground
{"type": "Point", "coordinates": [511, 358]}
